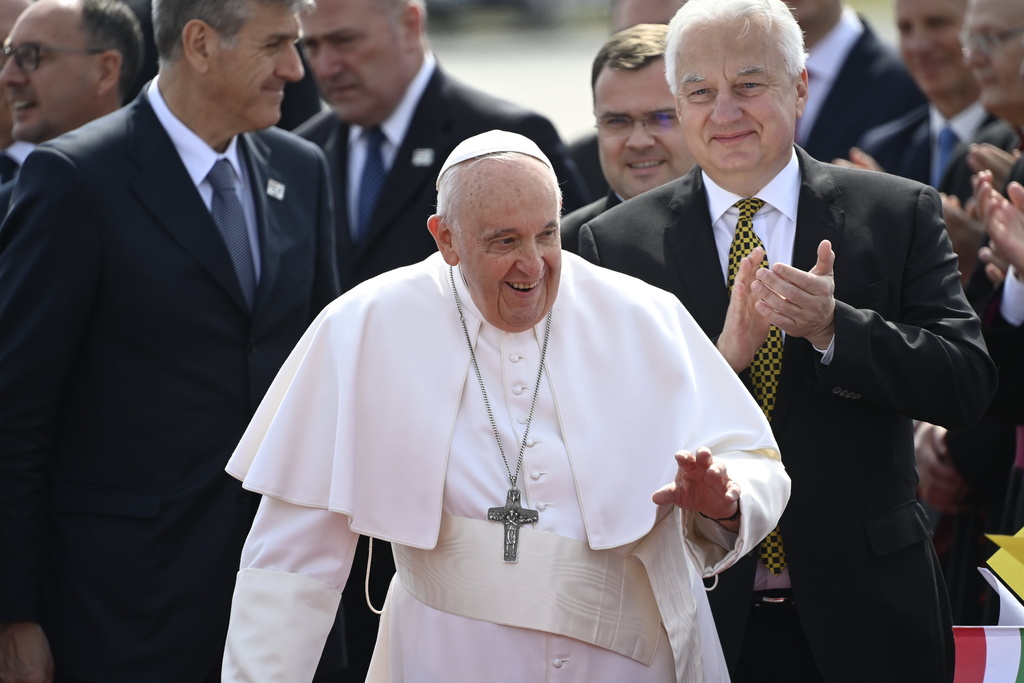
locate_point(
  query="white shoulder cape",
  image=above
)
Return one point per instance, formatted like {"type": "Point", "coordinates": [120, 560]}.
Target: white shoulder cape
{"type": "Point", "coordinates": [360, 417]}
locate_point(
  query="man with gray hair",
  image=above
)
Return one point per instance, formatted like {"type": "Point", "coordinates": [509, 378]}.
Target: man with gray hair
{"type": "Point", "coordinates": [834, 294]}
{"type": "Point", "coordinates": [460, 409]}
{"type": "Point", "coordinates": [157, 265]}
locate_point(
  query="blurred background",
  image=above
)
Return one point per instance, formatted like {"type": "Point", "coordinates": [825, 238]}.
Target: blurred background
{"type": "Point", "coordinates": [538, 53]}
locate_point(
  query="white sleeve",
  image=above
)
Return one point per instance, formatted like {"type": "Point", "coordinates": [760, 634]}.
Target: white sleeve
{"type": "Point", "coordinates": [294, 564]}
{"type": "Point", "coordinates": [1011, 307]}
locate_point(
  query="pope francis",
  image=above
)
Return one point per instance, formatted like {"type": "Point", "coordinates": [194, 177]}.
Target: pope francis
{"type": "Point", "coordinates": [502, 413]}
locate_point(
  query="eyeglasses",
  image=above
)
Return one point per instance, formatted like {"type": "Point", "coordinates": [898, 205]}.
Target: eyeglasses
{"type": "Point", "coordinates": [26, 55]}
{"type": "Point", "coordinates": [986, 43]}
{"type": "Point", "coordinates": [620, 126]}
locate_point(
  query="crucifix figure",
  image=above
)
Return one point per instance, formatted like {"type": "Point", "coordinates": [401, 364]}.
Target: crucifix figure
{"type": "Point", "coordinates": [514, 516]}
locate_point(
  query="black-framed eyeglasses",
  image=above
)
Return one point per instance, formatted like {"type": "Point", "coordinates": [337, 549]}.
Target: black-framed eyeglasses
{"type": "Point", "coordinates": [987, 42]}
{"type": "Point", "coordinates": [620, 125]}
{"type": "Point", "coordinates": [26, 55]}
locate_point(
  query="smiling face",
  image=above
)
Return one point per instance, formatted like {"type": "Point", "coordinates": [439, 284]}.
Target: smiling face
{"type": "Point", "coordinates": [737, 105]}
{"type": "Point", "coordinates": [643, 159]}
{"type": "Point", "coordinates": [997, 70]}
{"type": "Point", "coordinates": [254, 66]}
{"type": "Point", "coordinates": [503, 234]}
{"type": "Point", "coordinates": [364, 54]}
{"type": "Point", "coordinates": [60, 95]}
{"type": "Point", "coordinates": [930, 46]}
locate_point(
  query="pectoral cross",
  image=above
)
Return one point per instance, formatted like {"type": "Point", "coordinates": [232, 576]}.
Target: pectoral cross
{"type": "Point", "coordinates": [514, 516]}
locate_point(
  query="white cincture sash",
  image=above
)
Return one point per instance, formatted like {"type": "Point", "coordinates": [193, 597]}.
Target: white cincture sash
{"type": "Point", "coordinates": [559, 585]}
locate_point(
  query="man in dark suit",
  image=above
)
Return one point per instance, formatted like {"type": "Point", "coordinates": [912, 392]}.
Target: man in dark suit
{"type": "Point", "coordinates": [640, 143]}
{"type": "Point", "coordinates": [12, 152]}
{"type": "Point", "coordinates": [919, 145]}
{"type": "Point", "coordinates": [863, 285]}
{"type": "Point", "coordinates": [371, 60]}
{"type": "Point", "coordinates": [53, 91]}
{"type": "Point", "coordinates": [855, 81]}
{"type": "Point", "coordinates": [146, 309]}
{"type": "Point", "coordinates": [625, 13]}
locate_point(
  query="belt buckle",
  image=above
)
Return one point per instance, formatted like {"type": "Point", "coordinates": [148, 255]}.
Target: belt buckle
{"type": "Point", "coordinates": [776, 600]}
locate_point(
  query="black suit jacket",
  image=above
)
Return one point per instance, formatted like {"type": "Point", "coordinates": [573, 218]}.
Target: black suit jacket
{"type": "Point", "coordinates": [903, 147]}
{"type": "Point", "coordinates": [872, 87]}
{"type": "Point", "coordinates": [571, 224]}
{"type": "Point", "coordinates": [907, 345]}
{"type": "Point", "coordinates": [448, 113]}
{"type": "Point", "coordinates": [587, 157]}
{"type": "Point", "coordinates": [132, 367]}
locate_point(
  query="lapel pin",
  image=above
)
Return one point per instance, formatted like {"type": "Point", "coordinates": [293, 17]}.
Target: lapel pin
{"type": "Point", "coordinates": [275, 189]}
{"type": "Point", "coordinates": [423, 157]}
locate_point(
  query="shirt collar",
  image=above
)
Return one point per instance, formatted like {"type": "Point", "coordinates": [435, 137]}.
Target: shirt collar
{"type": "Point", "coordinates": [197, 156]}
{"type": "Point", "coordinates": [397, 124]}
{"type": "Point", "coordinates": [966, 124]}
{"type": "Point", "coordinates": [827, 57]}
{"type": "Point", "coordinates": [18, 150]}
{"type": "Point", "coordinates": [782, 192]}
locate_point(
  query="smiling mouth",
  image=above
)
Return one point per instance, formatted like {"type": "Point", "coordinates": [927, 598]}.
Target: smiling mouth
{"type": "Point", "coordinates": [523, 286]}
{"type": "Point", "coordinates": [642, 165]}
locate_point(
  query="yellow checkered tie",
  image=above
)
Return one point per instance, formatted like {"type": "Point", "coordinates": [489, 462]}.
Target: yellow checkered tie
{"type": "Point", "coordinates": [767, 363]}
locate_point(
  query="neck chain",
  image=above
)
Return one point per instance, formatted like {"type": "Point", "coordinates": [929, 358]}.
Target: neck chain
{"type": "Point", "coordinates": [512, 514]}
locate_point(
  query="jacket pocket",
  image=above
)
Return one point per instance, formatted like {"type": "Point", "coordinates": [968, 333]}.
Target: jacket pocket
{"type": "Point", "coordinates": [898, 528]}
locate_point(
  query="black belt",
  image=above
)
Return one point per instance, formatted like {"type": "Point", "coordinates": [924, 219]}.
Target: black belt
{"type": "Point", "coordinates": [779, 597]}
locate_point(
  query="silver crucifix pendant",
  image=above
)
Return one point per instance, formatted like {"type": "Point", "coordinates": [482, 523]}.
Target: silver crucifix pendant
{"type": "Point", "coordinates": [513, 515]}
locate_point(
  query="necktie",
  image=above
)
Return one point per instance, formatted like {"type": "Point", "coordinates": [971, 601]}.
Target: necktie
{"type": "Point", "coordinates": [230, 219]}
{"type": "Point", "coordinates": [370, 183]}
{"type": "Point", "coordinates": [8, 168]}
{"type": "Point", "coordinates": [767, 363]}
{"type": "Point", "coordinates": [943, 151]}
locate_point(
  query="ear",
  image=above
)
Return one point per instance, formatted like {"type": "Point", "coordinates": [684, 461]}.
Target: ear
{"type": "Point", "coordinates": [108, 74]}
{"type": "Point", "coordinates": [445, 239]}
{"type": "Point", "coordinates": [411, 22]}
{"type": "Point", "coordinates": [199, 43]}
{"type": "Point", "coordinates": [801, 93]}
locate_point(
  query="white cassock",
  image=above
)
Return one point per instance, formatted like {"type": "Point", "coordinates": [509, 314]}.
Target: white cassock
{"type": "Point", "coordinates": [376, 425]}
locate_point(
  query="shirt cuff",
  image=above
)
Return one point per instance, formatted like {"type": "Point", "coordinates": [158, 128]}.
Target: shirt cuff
{"type": "Point", "coordinates": [1011, 307]}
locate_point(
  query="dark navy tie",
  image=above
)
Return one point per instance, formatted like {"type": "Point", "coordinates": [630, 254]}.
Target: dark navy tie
{"type": "Point", "coordinates": [943, 151]}
{"type": "Point", "coordinates": [370, 183]}
{"type": "Point", "coordinates": [230, 219]}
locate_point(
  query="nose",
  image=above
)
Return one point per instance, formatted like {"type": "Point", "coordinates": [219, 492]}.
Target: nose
{"type": "Point", "coordinates": [10, 73]}
{"type": "Point", "coordinates": [726, 107]}
{"type": "Point", "coordinates": [290, 67]}
{"type": "Point", "coordinates": [639, 135]}
{"type": "Point", "coordinates": [531, 259]}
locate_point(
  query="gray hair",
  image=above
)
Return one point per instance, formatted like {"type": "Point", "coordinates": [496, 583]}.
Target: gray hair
{"type": "Point", "coordinates": [773, 16]}
{"type": "Point", "coordinates": [451, 187]}
{"type": "Point", "coordinates": [225, 16]}
{"type": "Point", "coordinates": [111, 25]}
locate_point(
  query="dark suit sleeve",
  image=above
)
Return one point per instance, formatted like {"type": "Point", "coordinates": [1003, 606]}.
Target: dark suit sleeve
{"type": "Point", "coordinates": [904, 341]}
{"type": "Point", "coordinates": [50, 253]}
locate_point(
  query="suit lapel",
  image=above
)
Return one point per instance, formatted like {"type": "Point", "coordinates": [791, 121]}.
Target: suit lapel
{"type": "Point", "coordinates": [336, 150]}
{"type": "Point", "coordinates": [165, 188]}
{"type": "Point", "coordinates": [918, 164]}
{"type": "Point", "coordinates": [268, 189]}
{"type": "Point", "coordinates": [818, 218]}
{"type": "Point", "coordinates": [690, 246]}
